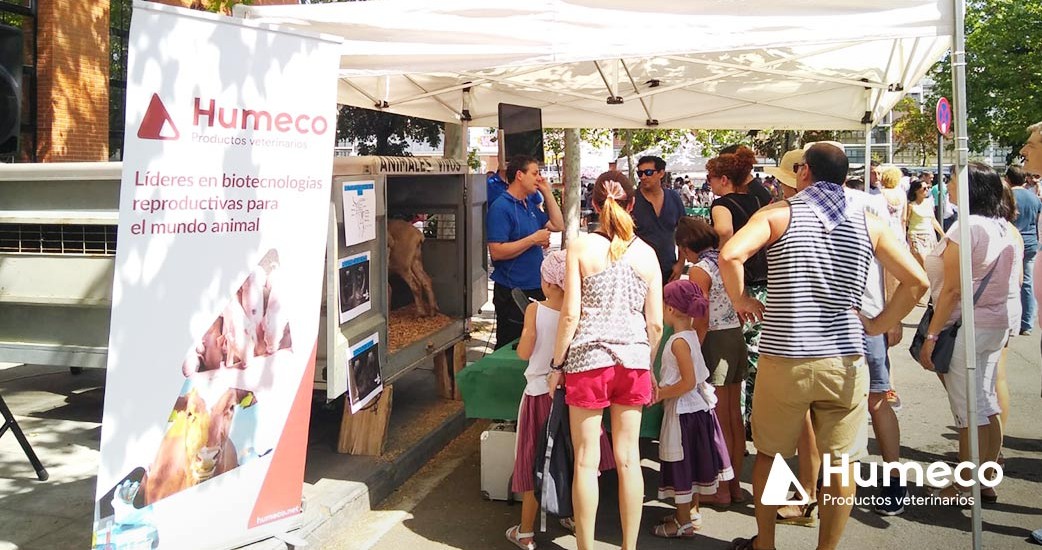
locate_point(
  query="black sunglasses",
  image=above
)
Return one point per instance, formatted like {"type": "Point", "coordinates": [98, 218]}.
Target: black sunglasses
{"type": "Point", "coordinates": [647, 173]}
{"type": "Point", "coordinates": [796, 166]}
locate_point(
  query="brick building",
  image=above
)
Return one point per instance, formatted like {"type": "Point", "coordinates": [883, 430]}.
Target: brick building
{"type": "Point", "coordinates": [74, 76]}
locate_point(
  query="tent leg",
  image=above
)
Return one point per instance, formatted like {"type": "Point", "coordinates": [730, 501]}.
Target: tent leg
{"type": "Point", "coordinates": [965, 269]}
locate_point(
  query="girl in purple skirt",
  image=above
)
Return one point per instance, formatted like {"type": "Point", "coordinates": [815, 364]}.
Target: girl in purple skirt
{"type": "Point", "coordinates": [692, 451]}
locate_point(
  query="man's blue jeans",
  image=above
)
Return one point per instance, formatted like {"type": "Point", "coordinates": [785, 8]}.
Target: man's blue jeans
{"type": "Point", "coordinates": [1027, 291]}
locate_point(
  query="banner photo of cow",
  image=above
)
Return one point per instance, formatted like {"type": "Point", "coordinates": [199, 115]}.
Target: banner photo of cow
{"type": "Point", "coordinates": [213, 427]}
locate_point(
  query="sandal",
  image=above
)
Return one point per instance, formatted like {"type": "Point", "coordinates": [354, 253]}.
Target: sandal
{"type": "Point", "coordinates": [568, 524]}
{"type": "Point", "coordinates": [515, 535]}
{"type": "Point", "coordinates": [696, 520]}
{"type": "Point", "coordinates": [685, 531]}
{"type": "Point", "coordinates": [744, 544]}
{"type": "Point", "coordinates": [807, 518]}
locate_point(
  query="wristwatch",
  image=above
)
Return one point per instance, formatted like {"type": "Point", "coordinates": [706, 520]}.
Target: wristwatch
{"type": "Point", "coordinates": [931, 337]}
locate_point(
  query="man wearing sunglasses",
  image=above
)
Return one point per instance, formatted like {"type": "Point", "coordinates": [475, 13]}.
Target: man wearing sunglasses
{"type": "Point", "coordinates": [656, 211]}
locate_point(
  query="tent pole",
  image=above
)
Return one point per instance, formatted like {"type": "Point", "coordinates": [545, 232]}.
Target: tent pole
{"type": "Point", "coordinates": [868, 143]}
{"type": "Point", "coordinates": [571, 194]}
{"type": "Point", "coordinates": [965, 268]}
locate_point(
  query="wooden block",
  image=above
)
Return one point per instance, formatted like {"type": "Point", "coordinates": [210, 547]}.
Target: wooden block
{"type": "Point", "coordinates": [443, 373]}
{"type": "Point", "coordinates": [365, 432]}
{"type": "Point", "coordinates": [459, 360]}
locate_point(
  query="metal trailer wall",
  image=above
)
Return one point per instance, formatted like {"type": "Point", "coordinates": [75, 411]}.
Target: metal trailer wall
{"type": "Point", "coordinates": [57, 257]}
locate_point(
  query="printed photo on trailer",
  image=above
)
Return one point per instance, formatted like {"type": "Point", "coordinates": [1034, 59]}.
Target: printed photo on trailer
{"type": "Point", "coordinates": [359, 212]}
{"type": "Point", "coordinates": [355, 298]}
{"type": "Point", "coordinates": [364, 382]}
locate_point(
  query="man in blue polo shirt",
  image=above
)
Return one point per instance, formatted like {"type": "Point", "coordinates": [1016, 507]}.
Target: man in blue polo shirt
{"type": "Point", "coordinates": [518, 231]}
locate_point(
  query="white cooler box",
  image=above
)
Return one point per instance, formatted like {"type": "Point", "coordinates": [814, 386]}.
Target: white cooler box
{"type": "Point", "coordinates": [497, 460]}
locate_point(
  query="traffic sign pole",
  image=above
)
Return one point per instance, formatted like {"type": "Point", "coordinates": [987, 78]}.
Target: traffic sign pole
{"type": "Point", "coordinates": [944, 125]}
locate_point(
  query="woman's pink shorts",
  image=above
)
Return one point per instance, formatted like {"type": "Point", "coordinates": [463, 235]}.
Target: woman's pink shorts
{"type": "Point", "coordinates": [614, 385]}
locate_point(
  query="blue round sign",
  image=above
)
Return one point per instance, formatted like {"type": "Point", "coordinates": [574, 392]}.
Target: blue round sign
{"type": "Point", "coordinates": [944, 116]}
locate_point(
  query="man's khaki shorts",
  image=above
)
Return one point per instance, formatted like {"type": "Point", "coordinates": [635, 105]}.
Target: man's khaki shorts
{"type": "Point", "coordinates": [834, 389]}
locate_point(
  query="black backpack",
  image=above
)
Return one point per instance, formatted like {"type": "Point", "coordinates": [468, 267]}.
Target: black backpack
{"type": "Point", "coordinates": [756, 265]}
{"type": "Point", "coordinates": [554, 463]}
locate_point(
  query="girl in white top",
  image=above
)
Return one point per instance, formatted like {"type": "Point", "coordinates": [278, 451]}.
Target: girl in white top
{"type": "Point", "coordinates": [537, 346]}
{"type": "Point", "coordinates": [693, 456]}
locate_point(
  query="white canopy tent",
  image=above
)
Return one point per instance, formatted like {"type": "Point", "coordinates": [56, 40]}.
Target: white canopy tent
{"type": "Point", "coordinates": [796, 64]}
{"type": "Point", "coordinates": [710, 64]}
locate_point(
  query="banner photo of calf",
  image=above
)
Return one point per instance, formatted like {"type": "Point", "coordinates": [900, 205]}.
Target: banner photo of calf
{"type": "Point", "coordinates": [355, 286]}
{"type": "Point", "coordinates": [364, 383]}
{"type": "Point", "coordinates": [223, 221]}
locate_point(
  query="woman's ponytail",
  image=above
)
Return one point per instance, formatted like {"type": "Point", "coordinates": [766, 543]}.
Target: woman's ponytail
{"type": "Point", "coordinates": [613, 194]}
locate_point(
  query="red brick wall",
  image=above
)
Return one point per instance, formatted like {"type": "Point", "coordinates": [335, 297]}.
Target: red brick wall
{"type": "Point", "coordinates": [73, 81]}
{"type": "Point", "coordinates": [72, 90]}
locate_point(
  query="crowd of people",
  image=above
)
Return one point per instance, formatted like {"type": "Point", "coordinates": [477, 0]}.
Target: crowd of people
{"type": "Point", "coordinates": [778, 312]}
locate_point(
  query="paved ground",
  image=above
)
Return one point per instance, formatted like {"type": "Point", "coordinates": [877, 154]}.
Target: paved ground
{"type": "Point", "coordinates": [441, 507]}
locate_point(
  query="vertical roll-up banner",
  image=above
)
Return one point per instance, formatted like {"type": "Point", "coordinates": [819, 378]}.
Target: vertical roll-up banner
{"type": "Point", "coordinates": [219, 263]}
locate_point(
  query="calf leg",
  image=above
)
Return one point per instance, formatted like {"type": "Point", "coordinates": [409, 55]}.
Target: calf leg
{"type": "Point", "coordinates": [426, 284]}
{"type": "Point", "coordinates": [417, 292]}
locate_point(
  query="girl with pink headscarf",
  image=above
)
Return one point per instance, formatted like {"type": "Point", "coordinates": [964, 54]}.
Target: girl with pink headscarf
{"type": "Point", "coordinates": [692, 452]}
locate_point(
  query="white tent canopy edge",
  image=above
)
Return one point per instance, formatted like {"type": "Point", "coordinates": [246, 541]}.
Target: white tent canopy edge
{"type": "Point", "coordinates": [758, 64]}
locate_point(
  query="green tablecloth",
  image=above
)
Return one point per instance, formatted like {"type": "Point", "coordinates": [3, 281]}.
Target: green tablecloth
{"type": "Point", "coordinates": [493, 385]}
{"type": "Point", "coordinates": [699, 211]}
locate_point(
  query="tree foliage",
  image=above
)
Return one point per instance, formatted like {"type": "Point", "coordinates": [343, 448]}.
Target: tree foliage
{"type": "Point", "coordinates": [635, 141]}
{"type": "Point", "coordinates": [1003, 64]}
{"type": "Point", "coordinates": [915, 129]}
{"type": "Point", "coordinates": [380, 133]}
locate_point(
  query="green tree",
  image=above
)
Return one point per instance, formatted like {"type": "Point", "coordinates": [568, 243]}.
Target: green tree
{"type": "Point", "coordinates": [775, 143]}
{"type": "Point", "coordinates": [380, 133]}
{"type": "Point", "coordinates": [915, 129]}
{"type": "Point", "coordinates": [1003, 63]}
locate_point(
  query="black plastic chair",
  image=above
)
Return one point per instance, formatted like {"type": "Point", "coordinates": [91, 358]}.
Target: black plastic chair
{"type": "Point", "coordinates": [10, 422]}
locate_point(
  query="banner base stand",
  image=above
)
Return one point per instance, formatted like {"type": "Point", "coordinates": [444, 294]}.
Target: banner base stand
{"type": "Point", "coordinates": [292, 540]}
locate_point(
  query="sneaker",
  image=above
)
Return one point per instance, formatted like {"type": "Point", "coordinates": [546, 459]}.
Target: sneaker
{"type": "Point", "coordinates": [892, 500]}
{"type": "Point", "coordinates": [893, 399]}
{"type": "Point", "coordinates": [1025, 332]}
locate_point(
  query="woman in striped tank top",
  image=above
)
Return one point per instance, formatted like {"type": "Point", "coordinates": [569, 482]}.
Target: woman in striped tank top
{"type": "Point", "coordinates": [611, 322]}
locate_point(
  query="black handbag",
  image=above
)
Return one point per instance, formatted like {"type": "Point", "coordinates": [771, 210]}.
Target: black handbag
{"type": "Point", "coordinates": [945, 346]}
{"type": "Point", "coordinates": [554, 463]}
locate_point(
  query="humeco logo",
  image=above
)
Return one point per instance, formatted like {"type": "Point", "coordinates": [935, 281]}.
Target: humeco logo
{"type": "Point", "coordinates": [158, 124]}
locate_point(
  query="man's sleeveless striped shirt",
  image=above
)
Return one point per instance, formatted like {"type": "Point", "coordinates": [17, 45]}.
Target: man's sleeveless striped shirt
{"type": "Point", "coordinates": [815, 280]}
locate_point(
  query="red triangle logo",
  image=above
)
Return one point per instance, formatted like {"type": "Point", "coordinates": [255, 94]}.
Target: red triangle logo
{"type": "Point", "coordinates": [156, 119]}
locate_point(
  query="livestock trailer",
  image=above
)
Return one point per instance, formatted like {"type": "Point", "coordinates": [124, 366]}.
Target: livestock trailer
{"type": "Point", "coordinates": [57, 257]}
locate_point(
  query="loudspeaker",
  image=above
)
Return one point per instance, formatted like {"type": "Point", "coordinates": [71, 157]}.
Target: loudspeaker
{"type": "Point", "coordinates": [11, 45]}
